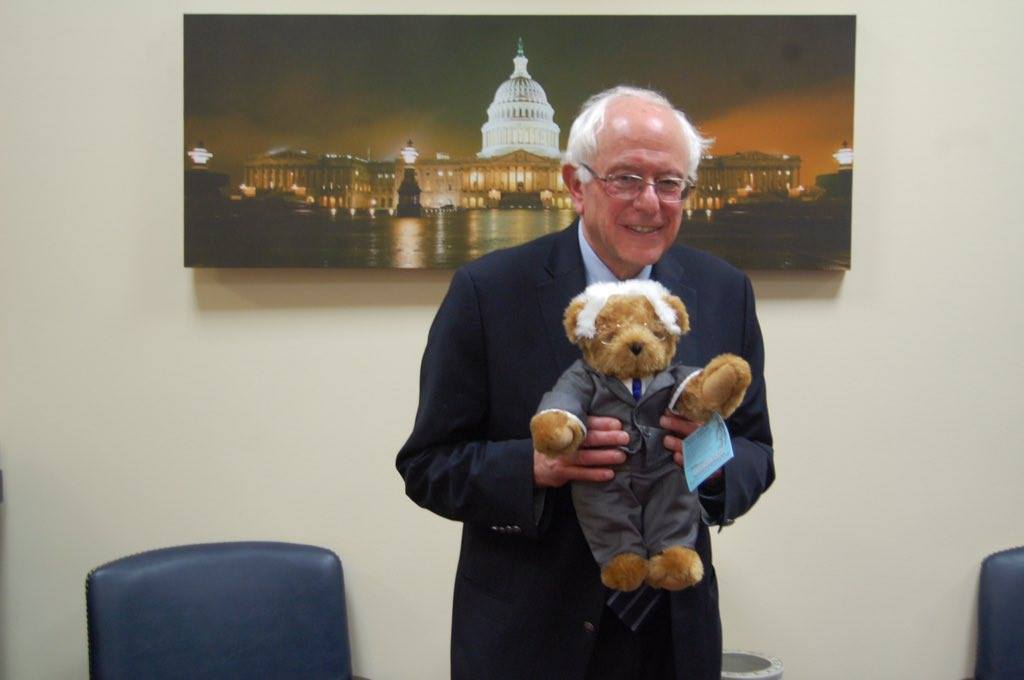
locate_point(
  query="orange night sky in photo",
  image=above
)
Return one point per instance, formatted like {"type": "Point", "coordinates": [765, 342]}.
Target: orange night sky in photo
{"type": "Point", "coordinates": [811, 125]}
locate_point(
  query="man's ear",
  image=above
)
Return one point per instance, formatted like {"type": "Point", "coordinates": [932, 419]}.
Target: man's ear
{"type": "Point", "coordinates": [572, 313]}
{"type": "Point", "coordinates": [570, 176]}
{"type": "Point", "coordinates": [682, 318]}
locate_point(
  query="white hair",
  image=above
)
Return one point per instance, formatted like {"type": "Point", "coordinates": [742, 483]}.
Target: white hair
{"type": "Point", "coordinates": [582, 144]}
{"type": "Point", "coordinates": [596, 295]}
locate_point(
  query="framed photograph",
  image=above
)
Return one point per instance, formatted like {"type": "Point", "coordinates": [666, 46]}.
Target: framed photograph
{"type": "Point", "coordinates": [426, 141]}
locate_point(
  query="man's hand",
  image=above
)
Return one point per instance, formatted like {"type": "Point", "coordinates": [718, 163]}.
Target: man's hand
{"type": "Point", "coordinates": [589, 463]}
{"type": "Point", "coordinates": [683, 428]}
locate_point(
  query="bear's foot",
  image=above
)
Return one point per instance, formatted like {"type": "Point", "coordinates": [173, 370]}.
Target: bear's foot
{"type": "Point", "coordinates": [675, 569]}
{"type": "Point", "coordinates": [625, 571]}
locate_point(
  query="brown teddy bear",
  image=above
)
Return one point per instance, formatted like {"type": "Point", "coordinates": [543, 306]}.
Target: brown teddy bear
{"type": "Point", "coordinates": [628, 332]}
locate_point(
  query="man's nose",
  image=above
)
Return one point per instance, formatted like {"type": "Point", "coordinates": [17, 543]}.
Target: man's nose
{"type": "Point", "coordinates": [647, 199]}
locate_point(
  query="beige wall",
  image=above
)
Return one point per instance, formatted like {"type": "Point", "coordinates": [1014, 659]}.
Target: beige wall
{"type": "Point", "coordinates": [143, 404]}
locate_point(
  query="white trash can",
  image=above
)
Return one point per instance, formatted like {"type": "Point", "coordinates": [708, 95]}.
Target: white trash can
{"type": "Point", "coordinates": [743, 665]}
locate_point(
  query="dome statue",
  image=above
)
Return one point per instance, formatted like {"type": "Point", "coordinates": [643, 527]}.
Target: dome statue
{"type": "Point", "coordinates": [520, 116]}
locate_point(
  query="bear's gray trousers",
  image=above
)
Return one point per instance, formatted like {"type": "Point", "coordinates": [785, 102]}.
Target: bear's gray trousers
{"type": "Point", "coordinates": [644, 509]}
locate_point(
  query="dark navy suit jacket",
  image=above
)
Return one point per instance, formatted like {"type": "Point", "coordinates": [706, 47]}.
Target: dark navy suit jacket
{"type": "Point", "coordinates": [528, 594]}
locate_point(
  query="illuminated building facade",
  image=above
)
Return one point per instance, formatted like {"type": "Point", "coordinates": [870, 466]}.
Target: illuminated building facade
{"type": "Point", "coordinates": [516, 179]}
{"type": "Point", "coordinates": [746, 176]}
{"type": "Point", "coordinates": [518, 166]}
{"type": "Point", "coordinates": [330, 180]}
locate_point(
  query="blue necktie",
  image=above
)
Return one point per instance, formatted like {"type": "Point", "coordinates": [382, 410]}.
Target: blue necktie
{"type": "Point", "coordinates": [638, 389]}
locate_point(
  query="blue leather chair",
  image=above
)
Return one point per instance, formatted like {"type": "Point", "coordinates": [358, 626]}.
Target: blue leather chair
{"type": "Point", "coordinates": [1001, 617]}
{"type": "Point", "coordinates": [222, 610]}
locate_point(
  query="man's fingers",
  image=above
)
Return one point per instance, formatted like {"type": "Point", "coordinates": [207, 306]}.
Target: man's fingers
{"type": "Point", "coordinates": [605, 438]}
{"type": "Point", "coordinates": [591, 457]}
{"type": "Point", "coordinates": [678, 425]}
{"type": "Point", "coordinates": [675, 445]}
{"type": "Point", "coordinates": [672, 443]}
{"type": "Point", "coordinates": [604, 431]}
{"type": "Point", "coordinates": [587, 474]}
{"type": "Point", "coordinates": [680, 429]}
{"type": "Point", "coordinates": [590, 465]}
{"type": "Point", "coordinates": [603, 423]}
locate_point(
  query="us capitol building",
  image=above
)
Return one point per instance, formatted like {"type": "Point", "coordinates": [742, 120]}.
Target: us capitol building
{"type": "Point", "coordinates": [518, 166]}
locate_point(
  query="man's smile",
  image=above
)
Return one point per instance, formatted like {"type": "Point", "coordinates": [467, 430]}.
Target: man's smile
{"type": "Point", "coordinates": [641, 229]}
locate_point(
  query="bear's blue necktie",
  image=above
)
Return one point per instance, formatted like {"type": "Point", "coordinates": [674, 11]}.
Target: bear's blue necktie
{"type": "Point", "coordinates": [638, 389]}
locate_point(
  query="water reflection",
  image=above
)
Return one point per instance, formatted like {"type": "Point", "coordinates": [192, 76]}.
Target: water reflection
{"type": "Point", "coordinates": [440, 236]}
{"type": "Point", "coordinates": [408, 250]}
{"type": "Point", "coordinates": [248, 234]}
{"type": "Point", "coordinates": [444, 239]}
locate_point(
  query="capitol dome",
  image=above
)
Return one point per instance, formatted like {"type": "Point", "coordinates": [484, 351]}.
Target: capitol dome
{"type": "Point", "coordinates": [520, 116]}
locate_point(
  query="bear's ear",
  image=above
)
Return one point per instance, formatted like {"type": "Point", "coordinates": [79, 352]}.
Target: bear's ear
{"type": "Point", "coordinates": [682, 318]}
{"type": "Point", "coordinates": [572, 314]}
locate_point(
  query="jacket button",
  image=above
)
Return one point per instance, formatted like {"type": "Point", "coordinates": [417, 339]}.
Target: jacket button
{"type": "Point", "coordinates": [589, 627]}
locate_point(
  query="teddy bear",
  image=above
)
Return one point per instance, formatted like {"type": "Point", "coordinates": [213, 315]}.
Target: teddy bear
{"type": "Point", "coordinates": [642, 524]}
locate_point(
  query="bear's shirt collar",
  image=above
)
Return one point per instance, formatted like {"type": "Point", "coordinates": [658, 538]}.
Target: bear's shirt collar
{"type": "Point", "coordinates": [643, 381]}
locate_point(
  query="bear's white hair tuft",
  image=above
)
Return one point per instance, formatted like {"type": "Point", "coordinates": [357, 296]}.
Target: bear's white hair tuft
{"type": "Point", "coordinates": [596, 296]}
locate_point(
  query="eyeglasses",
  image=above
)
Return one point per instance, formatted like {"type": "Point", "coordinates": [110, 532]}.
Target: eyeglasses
{"type": "Point", "coordinates": [627, 186]}
{"type": "Point", "coordinates": [610, 331]}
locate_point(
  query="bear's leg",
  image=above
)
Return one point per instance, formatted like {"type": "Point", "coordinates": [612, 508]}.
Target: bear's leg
{"type": "Point", "coordinates": [609, 514]}
{"type": "Point", "coordinates": [671, 517]}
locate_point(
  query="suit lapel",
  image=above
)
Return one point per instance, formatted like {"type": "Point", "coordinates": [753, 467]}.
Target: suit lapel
{"type": "Point", "coordinates": [566, 278]}
{"type": "Point", "coordinates": [660, 382]}
{"type": "Point", "coordinates": [618, 388]}
{"type": "Point", "coordinates": [670, 272]}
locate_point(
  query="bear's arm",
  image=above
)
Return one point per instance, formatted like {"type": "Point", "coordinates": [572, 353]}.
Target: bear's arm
{"type": "Point", "coordinates": [448, 464]}
{"type": "Point", "coordinates": [572, 394]}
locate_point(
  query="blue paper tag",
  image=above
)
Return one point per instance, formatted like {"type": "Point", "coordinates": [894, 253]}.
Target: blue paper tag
{"type": "Point", "coordinates": [706, 450]}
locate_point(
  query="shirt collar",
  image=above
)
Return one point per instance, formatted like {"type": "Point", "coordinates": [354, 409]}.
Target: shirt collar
{"type": "Point", "coordinates": [598, 271]}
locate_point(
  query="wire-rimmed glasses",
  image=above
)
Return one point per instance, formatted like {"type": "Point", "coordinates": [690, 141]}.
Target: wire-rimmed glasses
{"type": "Point", "coordinates": [627, 186]}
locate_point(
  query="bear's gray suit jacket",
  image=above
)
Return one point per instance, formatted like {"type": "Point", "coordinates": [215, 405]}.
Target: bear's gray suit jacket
{"type": "Point", "coordinates": [646, 507]}
{"type": "Point", "coordinates": [583, 391]}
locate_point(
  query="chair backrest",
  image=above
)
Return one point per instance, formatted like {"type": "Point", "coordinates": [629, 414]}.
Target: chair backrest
{"type": "Point", "coordinates": [222, 610]}
{"type": "Point", "coordinates": [1001, 617]}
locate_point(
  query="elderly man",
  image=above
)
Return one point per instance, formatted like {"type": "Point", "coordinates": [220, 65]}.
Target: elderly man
{"type": "Point", "coordinates": [528, 597]}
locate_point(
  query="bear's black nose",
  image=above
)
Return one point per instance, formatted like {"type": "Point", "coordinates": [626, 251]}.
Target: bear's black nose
{"type": "Point", "coordinates": [636, 348]}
